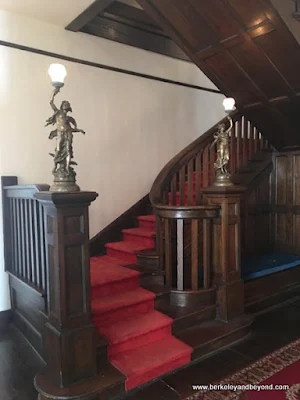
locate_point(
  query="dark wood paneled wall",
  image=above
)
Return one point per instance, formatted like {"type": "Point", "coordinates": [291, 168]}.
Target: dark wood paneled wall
{"type": "Point", "coordinates": [257, 235]}
{"type": "Point", "coordinates": [286, 201]}
{"type": "Point", "coordinates": [28, 308]}
{"type": "Point", "coordinates": [245, 48]}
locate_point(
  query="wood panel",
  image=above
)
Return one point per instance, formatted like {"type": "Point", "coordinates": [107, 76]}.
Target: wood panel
{"type": "Point", "coordinates": [286, 201]}
{"type": "Point", "coordinates": [5, 319]}
{"type": "Point", "coordinates": [27, 308]}
{"type": "Point", "coordinates": [245, 48]}
{"type": "Point", "coordinates": [126, 24]}
{"type": "Point", "coordinates": [257, 218]}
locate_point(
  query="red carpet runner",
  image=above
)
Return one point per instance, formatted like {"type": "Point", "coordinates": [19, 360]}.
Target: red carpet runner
{"type": "Point", "coordinates": [281, 367]}
{"type": "Point", "coordinates": [140, 339]}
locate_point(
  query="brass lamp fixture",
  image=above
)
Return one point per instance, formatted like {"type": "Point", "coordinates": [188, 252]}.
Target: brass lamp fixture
{"type": "Point", "coordinates": [221, 138]}
{"type": "Point", "coordinates": [65, 126]}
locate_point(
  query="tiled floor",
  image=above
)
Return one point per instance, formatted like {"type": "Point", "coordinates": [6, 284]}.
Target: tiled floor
{"type": "Point", "coordinates": [271, 331]}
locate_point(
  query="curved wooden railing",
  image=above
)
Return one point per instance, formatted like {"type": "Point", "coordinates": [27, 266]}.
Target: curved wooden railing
{"type": "Point", "coordinates": [183, 221]}
{"type": "Point", "coordinates": [24, 235]}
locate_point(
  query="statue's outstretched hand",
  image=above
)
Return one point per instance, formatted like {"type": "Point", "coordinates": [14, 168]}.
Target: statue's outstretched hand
{"type": "Point", "coordinates": [82, 131]}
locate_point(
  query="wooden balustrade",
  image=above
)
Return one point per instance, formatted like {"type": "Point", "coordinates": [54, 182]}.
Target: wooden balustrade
{"type": "Point", "coordinates": [24, 233]}
{"type": "Point", "coordinates": [185, 230]}
{"type": "Point", "coordinates": [183, 179]}
{"type": "Point", "coordinates": [177, 193]}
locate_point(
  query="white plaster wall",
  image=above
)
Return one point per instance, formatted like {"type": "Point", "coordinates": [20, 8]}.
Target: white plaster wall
{"type": "Point", "coordinates": [134, 125]}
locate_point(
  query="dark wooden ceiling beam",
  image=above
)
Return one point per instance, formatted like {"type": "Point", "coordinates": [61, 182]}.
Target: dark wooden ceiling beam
{"type": "Point", "coordinates": [89, 14]}
{"type": "Point", "coordinates": [132, 36]}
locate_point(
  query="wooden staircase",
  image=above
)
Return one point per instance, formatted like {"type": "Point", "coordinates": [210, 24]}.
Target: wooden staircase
{"type": "Point", "coordinates": [138, 278]}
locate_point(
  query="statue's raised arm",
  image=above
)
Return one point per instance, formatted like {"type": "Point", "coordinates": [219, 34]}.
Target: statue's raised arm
{"type": "Point", "coordinates": [53, 106]}
{"type": "Point", "coordinates": [230, 124]}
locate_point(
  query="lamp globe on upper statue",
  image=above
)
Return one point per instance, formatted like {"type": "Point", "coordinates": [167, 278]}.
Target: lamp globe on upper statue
{"type": "Point", "coordinates": [229, 104]}
{"type": "Point", "coordinates": [57, 73]}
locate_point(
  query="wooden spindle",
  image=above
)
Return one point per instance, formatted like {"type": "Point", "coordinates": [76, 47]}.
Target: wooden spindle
{"type": "Point", "coordinates": [180, 261]}
{"type": "Point", "coordinates": [212, 158]}
{"type": "Point", "coordinates": [37, 244]}
{"type": "Point", "coordinates": [32, 241]}
{"type": "Point", "coordinates": [206, 252]}
{"type": "Point", "coordinates": [27, 240]}
{"type": "Point", "coordinates": [238, 144]}
{"type": "Point", "coordinates": [232, 157]}
{"type": "Point", "coordinates": [195, 253]}
{"type": "Point", "coordinates": [182, 186]}
{"type": "Point", "coordinates": [256, 141]}
{"type": "Point", "coordinates": [245, 142]}
{"type": "Point", "coordinates": [18, 242]}
{"type": "Point", "coordinates": [168, 252]}
{"type": "Point", "coordinates": [251, 141]}
{"type": "Point", "coordinates": [190, 175]}
{"type": "Point", "coordinates": [22, 234]}
{"type": "Point", "coordinates": [198, 178]}
{"type": "Point", "coordinates": [206, 168]}
{"type": "Point", "coordinates": [42, 245]}
{"type": "Point", "coordinates": [261, 141]}
{"type": "Point", "coordinates": [13, 235]}
{"type": "Point", "coordinates": [173, 190]}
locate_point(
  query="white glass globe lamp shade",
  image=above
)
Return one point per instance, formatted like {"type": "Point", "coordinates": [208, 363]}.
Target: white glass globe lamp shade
{"type": "Point", "coordinates": [57, 73]}
{"type": "Point", "coordinates": [229, 104]}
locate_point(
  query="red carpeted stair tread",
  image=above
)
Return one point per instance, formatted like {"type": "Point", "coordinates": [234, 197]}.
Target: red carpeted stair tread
{"type": "Point", "coordinates": [107, 259]}
{"type": "Point", "coordinates": [150, 218]}
{"type": "Point", "coordinates": [148, 362]}
{"type": "Point", "coordinates": [121, 300]}
{"type": "Point", "coordinates": [128, 247]}
{"type": "Point", "coordinates": [103, 274]}
{"type": "Point", "coordinates": [120, 331]}
{"type": "Point", "coordinates": [140, 232]}
{"type": "Point", "coordinates": [143, 236]}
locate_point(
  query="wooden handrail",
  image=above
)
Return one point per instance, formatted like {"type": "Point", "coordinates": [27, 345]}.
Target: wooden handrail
{"type": "Point", "coordinates": [187, 212]}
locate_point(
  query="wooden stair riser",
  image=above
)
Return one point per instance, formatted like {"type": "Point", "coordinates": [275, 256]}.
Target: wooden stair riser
{"type": "Point", "coordinates": [200, 298]}
{"type": "Point", "coordinates": [148, 241]}
{"type": "Point", "coordinates": [114, 287]}
{"type": "Point", "coordinates": [196, 318]}
{"type": "Point", "coordinates": [141, 340]}
{"type": "Point", "coordinates": [221, 342]}
{"type": "Point", "coordinates": [152, 279]}
{"type": "Point", "coordinates": [130, 257]}
{"type": "Point", "coordinates": [128, 312]}
{"type": "Point", "coordinates": [148, 260]}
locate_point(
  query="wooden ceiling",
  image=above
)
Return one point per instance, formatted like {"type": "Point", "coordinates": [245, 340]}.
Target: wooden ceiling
{"type": "Point", "coordinates": [245, 48]}
{"type": "Point", "coordinates": [126, 22]}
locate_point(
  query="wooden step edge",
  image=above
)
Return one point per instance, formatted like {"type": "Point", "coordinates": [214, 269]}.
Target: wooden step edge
{"type": "Point", "coordinates": [158, 290]}
{"type": "Point", "coordinates": [195, 318]}
{"type": "Point", "coordinates": [145, 270]}
{"type": "Point", "coordinates": [224, 334]}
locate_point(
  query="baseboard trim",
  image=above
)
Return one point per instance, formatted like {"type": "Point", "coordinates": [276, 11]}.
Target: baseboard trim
{"type": "Point", "coordinates": [5, 319]}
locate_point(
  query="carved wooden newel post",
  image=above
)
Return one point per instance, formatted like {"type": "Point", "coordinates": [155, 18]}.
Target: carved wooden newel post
{"type": "Point", "coordinates": [70, 337]}
{"type": "Point", "coordinates": [227, 250]}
